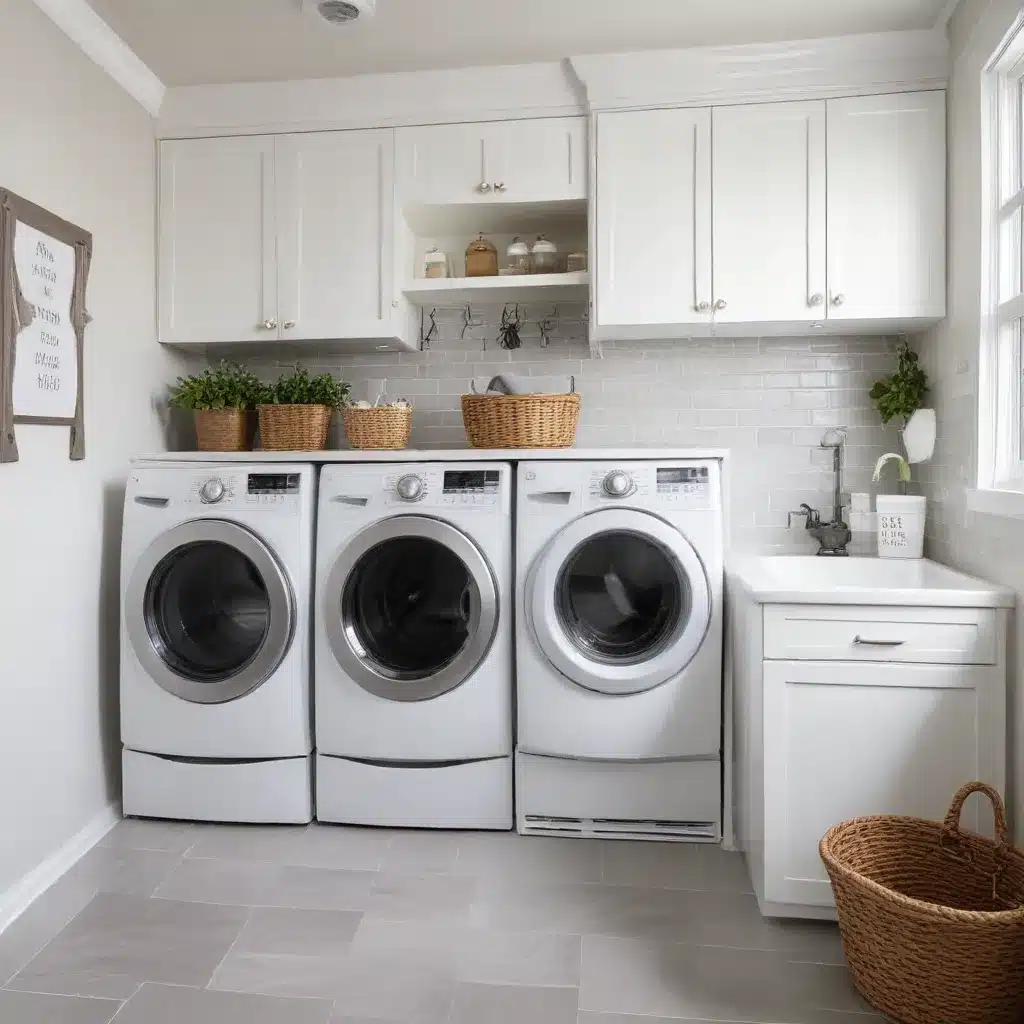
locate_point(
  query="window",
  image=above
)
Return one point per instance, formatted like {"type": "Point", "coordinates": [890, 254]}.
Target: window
{"type": "Point", "coordinates": [1001, 393]}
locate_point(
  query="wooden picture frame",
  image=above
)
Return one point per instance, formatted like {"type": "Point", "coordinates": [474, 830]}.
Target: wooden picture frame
{"type": "Point", "coordinates": [17, 314]}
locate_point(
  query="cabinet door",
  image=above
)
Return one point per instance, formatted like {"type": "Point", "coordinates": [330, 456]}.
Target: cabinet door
{"type": "Point", "coordinates": [444, 163]}
{"type": "Point", "coordinates": [538, 160]}
{"type": "Point", "coordinates": [336, 211]}
{"type": "Point", "coordinates": [217, 260]}
{"type": "Point", "coordinates": [652, 215]}
{"type": "Point", "coordinates": [769, 212]}
{"type": "Point", "coordinates": [840, 742]}
{"type": "Point", "coordinates": [887, 206]}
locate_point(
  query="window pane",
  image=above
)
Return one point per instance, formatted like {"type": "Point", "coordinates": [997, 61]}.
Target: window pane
{"type": "Point", "coordinates": [1008, 411]}
{"type": "Point", "coordinates": [1010, 135]}
{"type": "Point", "coordinates": [1010, 256]}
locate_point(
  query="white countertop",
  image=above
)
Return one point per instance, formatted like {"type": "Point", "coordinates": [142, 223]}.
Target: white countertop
{"type": "Point", "coordinates": [445, 455]}
{"type": "Point", "coordinates": [887, 581]}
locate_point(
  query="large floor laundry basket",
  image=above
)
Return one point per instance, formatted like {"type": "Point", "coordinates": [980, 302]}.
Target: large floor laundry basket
{"type": "Point", "coordinates": [931, 916]}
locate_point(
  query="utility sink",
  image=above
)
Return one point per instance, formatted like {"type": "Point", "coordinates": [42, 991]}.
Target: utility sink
{"type": "Point", "coordinates": [802, 579]}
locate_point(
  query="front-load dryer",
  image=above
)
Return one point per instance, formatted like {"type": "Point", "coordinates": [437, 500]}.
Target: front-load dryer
{"type": "Point", "coordinates": [216, 582]}
{"type": "Point", "coordinates": [619, 585]}
{"type": "Point", "coordinates": [413, 645]}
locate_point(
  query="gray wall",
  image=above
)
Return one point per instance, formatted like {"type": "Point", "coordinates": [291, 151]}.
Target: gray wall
{"type": "Point", "coordinates": [985, 545]}
{"type": "Point", "coordinates": [769, 400]}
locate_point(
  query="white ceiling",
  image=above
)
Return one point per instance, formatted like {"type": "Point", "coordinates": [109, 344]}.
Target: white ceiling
{"type": "Point", "coordinates": [192, 42]}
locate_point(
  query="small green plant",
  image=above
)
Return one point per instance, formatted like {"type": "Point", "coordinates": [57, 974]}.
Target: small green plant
{"type": "Point", "coordinates": [901, 464]}
{"type": "Point", "coordinates": [299, 388]}
{"type": "Point", "coordinates": [225, 386]}
{"type": "Point", "coordinates": [903, 393]}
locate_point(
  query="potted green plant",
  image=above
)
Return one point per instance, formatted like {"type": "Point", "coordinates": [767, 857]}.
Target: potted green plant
{"type": "Point", "coordinates": [221, 400]}
{"type": "Point", "coordinates": [295, 412]}
{"type": "Point", "coordinates": [901, 396]}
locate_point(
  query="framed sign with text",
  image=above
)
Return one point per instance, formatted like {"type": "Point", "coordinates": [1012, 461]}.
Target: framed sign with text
{"type": "Point", "coordinates": [44, 269]}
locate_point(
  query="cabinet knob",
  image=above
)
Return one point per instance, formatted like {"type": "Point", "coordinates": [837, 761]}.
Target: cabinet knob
{"type": "Point", "coordinates": [484, 186]}
{"type": "Point", "coordinates": [288, 324]}
{"type": "Point", "coordinates": [500, 186]}
{"type": "Point", "coordinates": [838, 300]}
{"type": "Point", "coordinates": [816, 299]}
{"type": "Point", "coordinates": [270, 325]}
{"type": "Point", "coordinates": [720, 304]}
{"type": "Point", "coordinates": [702, 307]}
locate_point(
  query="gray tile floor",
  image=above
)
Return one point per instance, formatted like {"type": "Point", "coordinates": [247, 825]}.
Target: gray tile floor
{"type": "Point", "coordinates": [166, 923]}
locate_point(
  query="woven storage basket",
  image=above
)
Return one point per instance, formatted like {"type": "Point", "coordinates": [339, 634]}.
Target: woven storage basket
{"type": "Point", "coordinates": [294, 428]}
{"type": "Point", "coordinates": [382, 427]}
{"type": "Point", "coordinates": [931, 918]}
{"type": "Point", "coordinates": [224, 430]}
{"type": "Point", "coordinates": [521, 421]}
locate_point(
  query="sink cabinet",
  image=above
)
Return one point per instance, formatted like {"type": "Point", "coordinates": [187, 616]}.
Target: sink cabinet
{"type": "Point", "coordinates": [848, 710]}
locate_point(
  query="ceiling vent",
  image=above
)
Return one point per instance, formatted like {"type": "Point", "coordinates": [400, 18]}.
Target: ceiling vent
{"type": "Point", "coordinates": [341, 12]}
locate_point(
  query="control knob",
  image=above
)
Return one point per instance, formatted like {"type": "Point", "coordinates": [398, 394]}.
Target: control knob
{"type": "Point", "coordinates": [212, 491]}
{"type": "Point", "coordinates": [410, 487]}
{"type": "Point", "coordinates": [618, 484]}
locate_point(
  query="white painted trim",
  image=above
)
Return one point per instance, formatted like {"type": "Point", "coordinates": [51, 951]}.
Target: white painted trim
{"type": "Point", "coordinates": [545, 89]}
{"type": "Point", "coordinates": [759, 72]}
{"type": "Point", "coordinates": [16, 900]}
{"type": "Point", "coordinates": [98, 41]}
{"type": "Point", "coordinates": [989, 501]}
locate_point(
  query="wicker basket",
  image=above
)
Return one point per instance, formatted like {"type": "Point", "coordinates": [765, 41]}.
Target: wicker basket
{"type": "Point", "coordinates": [224, 430]}
{"type": "Point", "coordinates": [932, 918]}
{"type": "Point", "coordinates": [521, 421]}
{"type": "Point", "coordinates": [294, 428]}
{"type": "Point", "coordinates": [383, 427]}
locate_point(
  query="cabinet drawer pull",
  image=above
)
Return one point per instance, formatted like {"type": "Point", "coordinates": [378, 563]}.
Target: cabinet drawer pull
{"type": "Point", "coordinates": [861, 642]}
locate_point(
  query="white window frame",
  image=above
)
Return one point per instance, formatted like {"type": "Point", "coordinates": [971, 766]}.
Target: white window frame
{"type": "Point", "coordinates": [1001, 363]}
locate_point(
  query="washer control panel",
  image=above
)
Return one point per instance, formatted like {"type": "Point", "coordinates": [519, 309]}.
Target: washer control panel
{"type": "Point", "coordinates": [652, 485]}
{"type": "Point", "coordinates": [444, 488]}
{"type": "Point", "coordinates": [246, 490]}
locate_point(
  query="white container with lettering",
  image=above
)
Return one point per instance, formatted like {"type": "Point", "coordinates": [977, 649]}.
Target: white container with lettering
{"type": "Point", "coordinates": [901, 525]}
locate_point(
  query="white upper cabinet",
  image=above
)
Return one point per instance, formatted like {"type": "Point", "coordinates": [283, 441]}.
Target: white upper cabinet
{"type": "Point", "coordinates": [769, 212]}
{"type": "Point", "coordinates": [445, 163]}
{"type": "Point", "coordinates": [528, 161]}
{"type": "Point", "coordinates": [651, 221]}
{"type": "Point", "coordinates": [887, 206]}
{"type": "Point", "coordinates": [217, 259]}
{"type": "Point", "coordinates": [278, 238]}
{"type": "Point", "coordinates": [336, 238]}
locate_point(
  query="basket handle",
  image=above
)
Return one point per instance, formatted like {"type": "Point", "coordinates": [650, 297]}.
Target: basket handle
{"type": "Point", "coordinates": [950, 831]}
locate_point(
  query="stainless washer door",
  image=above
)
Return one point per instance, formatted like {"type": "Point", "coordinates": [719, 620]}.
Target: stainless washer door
{"type": "Point", "coordinates": [619, 601]}
{"type": "Point", "coordinates": [209, 610]}
{"type": "Point", "coordinates": [410, 608]}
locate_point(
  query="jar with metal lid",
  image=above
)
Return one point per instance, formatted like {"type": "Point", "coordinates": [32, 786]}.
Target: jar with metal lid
{"type": "Point", "coordinates": [481, 258]}
{"type": "Point", "coordinates": [544, 257]}
{"type": "Point", "coordinates": [518, 257]}
{"type": "Point", "coordinates": [435, 264]}
{"type": "Point", "coordinates": [576, 261]}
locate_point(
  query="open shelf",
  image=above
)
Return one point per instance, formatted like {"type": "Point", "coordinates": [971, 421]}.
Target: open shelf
{"type": "Point", "coordinates": [524, 288]}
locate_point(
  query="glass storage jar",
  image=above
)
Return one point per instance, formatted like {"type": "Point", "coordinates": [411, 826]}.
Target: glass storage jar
{"type": "Point", "coordinates": [544, 257]}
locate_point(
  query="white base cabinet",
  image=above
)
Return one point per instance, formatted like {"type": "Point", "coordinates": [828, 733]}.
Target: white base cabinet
{"type": "Point", "coordinates": [853, 731]}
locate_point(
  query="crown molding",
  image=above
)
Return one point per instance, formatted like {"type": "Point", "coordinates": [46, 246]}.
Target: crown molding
{"type": "Point", "coordinates": [98, 41]}
{"type": "Point", "coordinates": [759, 72]}
{"type": "Point", "coordinates": [545, 89]}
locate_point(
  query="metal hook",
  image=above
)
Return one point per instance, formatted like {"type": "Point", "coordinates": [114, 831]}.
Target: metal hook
{"type": "Point", "coordinates": [468, 321]}
{"type": "Point", "coordinates": [431, 334]}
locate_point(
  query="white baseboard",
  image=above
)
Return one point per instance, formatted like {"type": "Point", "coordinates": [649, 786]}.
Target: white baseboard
{"type": "Point", "coordinates": [16, 900]}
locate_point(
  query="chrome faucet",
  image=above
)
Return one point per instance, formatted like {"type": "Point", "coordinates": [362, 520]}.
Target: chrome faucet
{"type": "Point", "coordinates": [833, 536]}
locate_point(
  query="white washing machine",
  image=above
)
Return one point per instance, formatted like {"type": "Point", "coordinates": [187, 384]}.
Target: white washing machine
{"type": "Point", "coordinates": [619, 586]}
{"type": "Point", "coordinates": [413, 646]}
{"type": "Point", "coordinates": [216, 586]}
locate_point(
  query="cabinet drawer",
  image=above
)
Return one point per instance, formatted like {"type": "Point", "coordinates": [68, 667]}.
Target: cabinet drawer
{"type": "Point", "coordinates": [942, 636]}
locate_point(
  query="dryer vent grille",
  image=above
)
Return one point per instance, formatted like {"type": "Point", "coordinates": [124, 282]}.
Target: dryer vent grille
{"type": "Point", "coordinates": [621, 828]}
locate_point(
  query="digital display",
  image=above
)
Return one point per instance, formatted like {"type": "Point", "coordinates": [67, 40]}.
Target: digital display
{"type": "Point", "coordinates": [683, 475]}
{"type": "Point", "coordinates": [471, 480]}
{"type": "Point", "coordinates": [273, 483]}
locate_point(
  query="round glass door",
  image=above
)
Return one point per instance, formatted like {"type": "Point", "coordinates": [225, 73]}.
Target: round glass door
{"type": "Point", "coordinates": [619, 601]}
{"type": "Point", "coordinates": [410, 608]}
{"type": "Point", "coordinates": [209, 611]}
